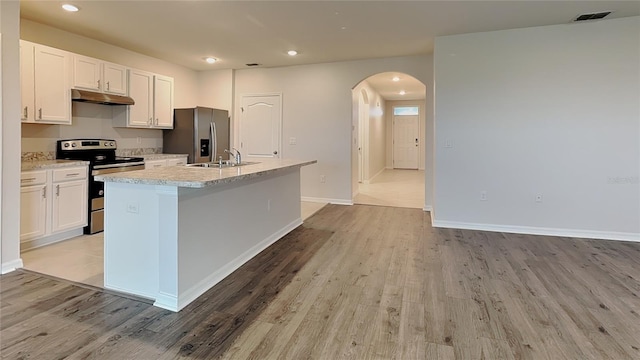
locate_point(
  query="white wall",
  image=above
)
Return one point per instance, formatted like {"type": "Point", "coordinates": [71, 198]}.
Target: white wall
{"type": "Point", "coordinates": [10, 137]}
{"type": "Point", "coordinates": [318, 106]}
{"type": "Point", "coordinates": [421, 136]}
{"type": "Point", "coordinates": [552, 110]}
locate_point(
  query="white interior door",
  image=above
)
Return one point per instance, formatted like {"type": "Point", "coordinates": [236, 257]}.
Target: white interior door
{"type": "Point", "coordinates": [260, 125]}
{"type": "Point", "coordinates": [405, 141]}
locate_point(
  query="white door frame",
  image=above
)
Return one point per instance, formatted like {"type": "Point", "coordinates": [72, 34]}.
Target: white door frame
{"type": "Point", "coordinates": [363, 139]}
{"type": "Point", "coordinates": [279, 131]}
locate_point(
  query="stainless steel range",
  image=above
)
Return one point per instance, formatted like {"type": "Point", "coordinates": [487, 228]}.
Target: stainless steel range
{"type": "Point", "coordinates": [101, 154]}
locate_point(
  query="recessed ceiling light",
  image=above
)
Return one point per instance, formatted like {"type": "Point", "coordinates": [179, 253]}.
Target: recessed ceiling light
{"type": "Point", "coordinates": [69, 7]}
{"type": "Point", "coordinates": [402, 92]}
{"type": "Point", "coordinates": [395, 78]}
{"type": "Point", "coordinates": [210, 60]}
{"type": "Point", "coordinates": [292, 53]}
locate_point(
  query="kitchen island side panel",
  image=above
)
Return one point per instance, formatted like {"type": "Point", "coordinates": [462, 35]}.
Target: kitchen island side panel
{"type": "Point", "coordinates": [220, 228]}
{"type": "Point", "coordinates": [131, 238]}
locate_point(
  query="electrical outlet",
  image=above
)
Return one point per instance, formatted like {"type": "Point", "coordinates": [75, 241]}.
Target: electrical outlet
{"type": "Point", "coordinates": [483, 195]}
{"type": "Point", "coordinates": [133, 208]}
{"type": "Point", "coordinates": [138, 140]}
{"type": "Point", "coordinates": [269, 205]}
{"type": "Point", "coordinates": [539, 197]}
{"type": "Point", "coordinates": [448, 143]}
{"type": "Point", "coordinates": [323, 179]}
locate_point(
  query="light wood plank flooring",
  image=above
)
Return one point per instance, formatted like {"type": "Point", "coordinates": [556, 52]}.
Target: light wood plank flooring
{"type": "Point", "coordinates": [358, 282]}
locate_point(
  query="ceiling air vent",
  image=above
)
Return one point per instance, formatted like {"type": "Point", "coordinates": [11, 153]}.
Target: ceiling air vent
{"type": "Point", "coordinates": [253, 64]}
{"type": "Point", "coordinates": [592, 16]}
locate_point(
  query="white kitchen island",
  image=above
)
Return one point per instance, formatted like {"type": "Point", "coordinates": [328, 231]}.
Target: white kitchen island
{"type": "Point", "coordinates": [172, 233]}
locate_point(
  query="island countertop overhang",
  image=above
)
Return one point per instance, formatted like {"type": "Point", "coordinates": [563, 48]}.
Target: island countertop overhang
{"type": "Point", "coordinates": [197, 177]}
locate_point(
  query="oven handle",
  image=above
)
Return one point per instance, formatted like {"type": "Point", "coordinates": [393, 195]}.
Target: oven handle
{"type": "Point", "coordinates": [112, 170]}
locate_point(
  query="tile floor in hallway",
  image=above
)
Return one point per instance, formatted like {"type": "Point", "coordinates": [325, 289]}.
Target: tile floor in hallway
{"type": "Point", "coordinates": [81, 259]}
{"type": "Point", "coordinates": [394, 187]}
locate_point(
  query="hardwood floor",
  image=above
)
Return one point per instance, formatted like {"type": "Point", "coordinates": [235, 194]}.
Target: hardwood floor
{"type": "Point", "coordinates": [358, 282]}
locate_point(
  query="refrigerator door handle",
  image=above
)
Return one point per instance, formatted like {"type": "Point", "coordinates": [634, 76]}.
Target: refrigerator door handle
{"type": "Point", "coordinates": [214, 142]}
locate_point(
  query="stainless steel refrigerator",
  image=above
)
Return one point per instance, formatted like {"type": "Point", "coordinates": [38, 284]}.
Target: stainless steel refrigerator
{"type": "Point", "coordinates": [202, 133]}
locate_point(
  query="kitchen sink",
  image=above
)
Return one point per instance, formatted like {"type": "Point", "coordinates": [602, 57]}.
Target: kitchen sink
{"type": "Point", "coordinates": [225, 164]}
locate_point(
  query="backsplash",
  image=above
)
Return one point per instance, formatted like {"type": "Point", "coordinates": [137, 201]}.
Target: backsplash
{"type": "Point", "coordinates": [90, 121]}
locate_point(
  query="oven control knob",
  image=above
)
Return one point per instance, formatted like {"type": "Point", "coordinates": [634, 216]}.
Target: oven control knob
{"type": "Point", "coordinates": [111, 143]}
{"type": "Point", "coordinates": [66, 144]}
{"type": "Point", "coordinates": [101, 192]}
{"type": "Point", "coordinates": [74, 145]}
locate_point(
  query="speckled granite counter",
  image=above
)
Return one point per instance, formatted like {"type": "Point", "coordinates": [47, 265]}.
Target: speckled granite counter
{"type": "Point", "coordinates": [196, 177]}
{"type": "Point", "coordinates": [171, 233]}
{"type": "Point", "coordinates": [162, 156]}
{"type": "Point", "coordinates": [50, 164]}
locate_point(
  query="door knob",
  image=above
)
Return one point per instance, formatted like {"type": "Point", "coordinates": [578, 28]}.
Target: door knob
{"type": "Point", "coordinates": [275, 152]}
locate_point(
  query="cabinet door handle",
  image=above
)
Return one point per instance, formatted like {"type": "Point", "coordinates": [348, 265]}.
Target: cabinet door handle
{"type": "Point", "coordinates": [57, 190]}
{"type": "Point", "coordinates": [72, 174]}
{"type": "Point", "coordinates": [28, 179]}
{"type": "Point", "coordinates": [98, 84]}
{"type": "Point", "coordinates": [40, 113]}
{"type": "Point", "coordinates": [26, 112]}
{"type": "Point", "coordinates": [44, 192]}
{"type": "Point", "coordinates": [107, 85]}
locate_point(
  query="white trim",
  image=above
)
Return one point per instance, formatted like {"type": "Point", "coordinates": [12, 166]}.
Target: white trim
{"type": "Point", "coordinates": [367, 182]}
{"type": "Point", "coordinates": [326, 200]}
{"type": "Point", "coordinates": [428, 208]}
{"type": "Point", "coordinates": [588, 234]}
{"type": "Point", "coordinates": [12, 266]}
{"type": "Point", "coordinates": [170, 302]}
{"type": "Point", "coordinates": [31, 244]}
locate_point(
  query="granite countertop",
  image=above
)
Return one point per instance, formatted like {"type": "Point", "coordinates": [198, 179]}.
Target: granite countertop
{"type": "Point", "coordinates": [162, 156]}
{"type": "Point", "coordinates": [197, 177]}
{"type": "Point", "coordinates": [50, 164]}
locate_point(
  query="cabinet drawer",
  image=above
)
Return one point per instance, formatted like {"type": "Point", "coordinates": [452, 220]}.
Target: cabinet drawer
{"type": "Point", "coordinates": [33, 178]}
{"type": "Point", "coordinates": [69, 174]}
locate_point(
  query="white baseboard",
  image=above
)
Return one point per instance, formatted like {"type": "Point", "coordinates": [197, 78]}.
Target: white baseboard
{"type": "Point", "coordinates": [327, 200]}
{"type": "Point", "coordinates": [428, 208]}
{"type": "Point", "coordinates": [367, 182]}
{"type": "Point", "coordinates": [12, 265]}
{"type": "Point", "coordinates": [51, 239]}
{"type": "Point", "coordinates": [170, 302]}
{"type": "Point", "coordinates": [587, 234]}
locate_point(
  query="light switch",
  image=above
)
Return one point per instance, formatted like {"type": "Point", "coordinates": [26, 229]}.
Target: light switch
{"type": "Point", "coordinates": [292, 141]}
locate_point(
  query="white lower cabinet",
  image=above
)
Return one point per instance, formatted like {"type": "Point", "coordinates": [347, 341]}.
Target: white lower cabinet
{"type": "Point", "coordinates": [69, 205]}
{"type": "Point", "coordinates": [33, 204]}
{"type": "Point", "coordinates": [52, 203]}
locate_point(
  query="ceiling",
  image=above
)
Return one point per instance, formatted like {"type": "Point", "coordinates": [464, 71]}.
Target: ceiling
{"type": "Point", "coordinates": [184, 32]}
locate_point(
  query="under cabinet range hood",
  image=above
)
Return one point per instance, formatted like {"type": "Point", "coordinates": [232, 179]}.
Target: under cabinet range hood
{"type": "Point", "coordinates": [100, 98]}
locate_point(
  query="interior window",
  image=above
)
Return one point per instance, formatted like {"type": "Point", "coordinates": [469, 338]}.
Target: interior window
{"type": "Point", "coordinates": [405, 110]}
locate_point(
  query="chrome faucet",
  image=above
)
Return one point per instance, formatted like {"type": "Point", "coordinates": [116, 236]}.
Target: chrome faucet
{"type": "Point", "coordinates": [237, 156]}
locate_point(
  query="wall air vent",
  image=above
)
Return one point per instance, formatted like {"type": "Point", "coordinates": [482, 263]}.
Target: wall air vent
{"type": "Point", "coordinates": [253, 64]}
{"type": "Point", "coordinates": [592, 16]}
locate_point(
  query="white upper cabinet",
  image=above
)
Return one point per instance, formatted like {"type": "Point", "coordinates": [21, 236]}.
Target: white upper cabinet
{"type": "Point", "coordinates": [153, 96]}
{"type": "Point", "coordinates": [45, 81]}
{"type": "Point", "coordinates": [163, 101]}
{"type": "Point", "coordinates": [86, 73]}
{"type": "Point", "coordinates": [114, 78]}
{"type": "Point", "coordinates": [97, 75]}
{"type": "Point", "coordinates": [27, 81]}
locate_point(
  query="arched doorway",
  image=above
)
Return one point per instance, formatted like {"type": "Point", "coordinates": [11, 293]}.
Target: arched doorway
{"type": "Point", "coordinates": [390, 140]}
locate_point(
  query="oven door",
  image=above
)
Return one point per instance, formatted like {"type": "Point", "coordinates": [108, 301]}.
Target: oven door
{"type": "Point", "coordinates": [96, 195]}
